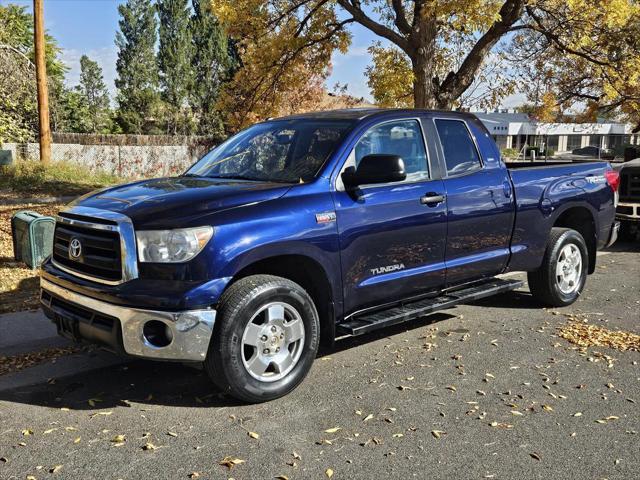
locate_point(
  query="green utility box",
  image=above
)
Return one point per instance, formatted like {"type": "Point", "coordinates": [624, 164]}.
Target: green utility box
{"type": "Point", "coordinates": [32, 237]}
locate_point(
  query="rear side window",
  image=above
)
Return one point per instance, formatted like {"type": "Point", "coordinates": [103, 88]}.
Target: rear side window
{"type": "Point", "coordinates": [460, 153]}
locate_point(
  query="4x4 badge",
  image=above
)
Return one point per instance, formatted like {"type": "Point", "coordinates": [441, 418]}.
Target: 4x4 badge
{"type": "Point", "coordinates": [326, 217]}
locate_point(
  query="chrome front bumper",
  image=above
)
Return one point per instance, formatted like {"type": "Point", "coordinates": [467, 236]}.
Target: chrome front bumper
{"type": "Point", "coordinates": [190, 330]}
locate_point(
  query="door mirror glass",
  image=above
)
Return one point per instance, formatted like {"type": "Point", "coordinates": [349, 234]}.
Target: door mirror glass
{"type": "Point", "coordinates": [375, 168]}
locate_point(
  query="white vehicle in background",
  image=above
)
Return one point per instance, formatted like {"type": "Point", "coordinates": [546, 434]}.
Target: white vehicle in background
{"type": "Point", "coordinates": [628, 209]}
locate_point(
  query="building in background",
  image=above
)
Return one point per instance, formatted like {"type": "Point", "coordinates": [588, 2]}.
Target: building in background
{"type": "Point", "coordinates": [515, 130]}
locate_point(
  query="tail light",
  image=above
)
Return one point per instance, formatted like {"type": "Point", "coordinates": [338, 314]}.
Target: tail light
{"type": "Point", "coordinates": [613, 179]}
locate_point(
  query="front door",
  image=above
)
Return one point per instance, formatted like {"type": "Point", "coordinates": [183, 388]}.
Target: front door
{"type": "Point", "coordinates": [392, 242]}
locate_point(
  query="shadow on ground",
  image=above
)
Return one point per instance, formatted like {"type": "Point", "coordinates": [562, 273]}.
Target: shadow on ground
{"type": "Point", "coordinates": [160, 383]}
{"type": "Point", "coordinates": [624, 245]}
{"type": "Point", "coordinates": [26, 296]}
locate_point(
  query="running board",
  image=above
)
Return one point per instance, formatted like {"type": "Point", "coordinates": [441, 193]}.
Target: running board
{"type": "Point", "coordinates": [367, 322]}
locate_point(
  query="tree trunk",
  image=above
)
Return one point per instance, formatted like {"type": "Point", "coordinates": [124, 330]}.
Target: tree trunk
{"type": "Point", "coordinates": [425, 88]}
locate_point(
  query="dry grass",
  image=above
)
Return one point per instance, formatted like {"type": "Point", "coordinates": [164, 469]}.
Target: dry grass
{"type": "Point", "coordinates": [18, 284]}
{"type": "Point", "coordinates": [59, 178]}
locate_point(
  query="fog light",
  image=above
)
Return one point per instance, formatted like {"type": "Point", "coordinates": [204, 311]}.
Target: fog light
{"type": "Point", "coordinates": [157, 333]}
{"type": "Point", "coordinates": [186, 321]}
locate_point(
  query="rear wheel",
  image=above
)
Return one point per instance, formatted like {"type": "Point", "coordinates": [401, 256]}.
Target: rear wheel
{"type": "Point", "coordinates": [265, 339]}
{"type": "Point", "coordinates": [561, 278]}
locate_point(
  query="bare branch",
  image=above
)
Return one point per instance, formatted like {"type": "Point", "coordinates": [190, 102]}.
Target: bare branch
{"type": "Point", "coordinates": [18, 52]}
{"type": "Point", "coordinates": [456, 83]}
{"type": "Point", "coordinates": [377, 28]}
{"type": "Point", "coordinates": [400, 19]}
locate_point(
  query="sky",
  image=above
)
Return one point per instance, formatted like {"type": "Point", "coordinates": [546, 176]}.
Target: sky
{"type": "Point", "coordinates": [88, 27]}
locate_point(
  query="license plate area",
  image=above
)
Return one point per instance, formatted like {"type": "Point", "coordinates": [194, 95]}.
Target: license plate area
{"type": "Point", "coordinates": [68, 327]}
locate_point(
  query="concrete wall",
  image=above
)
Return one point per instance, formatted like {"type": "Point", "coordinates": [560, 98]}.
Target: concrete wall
{"type": "Point", "coordinates": [113, 155]}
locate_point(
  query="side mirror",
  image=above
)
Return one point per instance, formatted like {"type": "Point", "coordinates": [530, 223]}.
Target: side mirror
{"type": "Point", "coordinates": [376, 168]}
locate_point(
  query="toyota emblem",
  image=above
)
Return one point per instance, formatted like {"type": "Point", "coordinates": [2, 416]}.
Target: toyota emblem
{"type": "Point", "coordinates": [75, 248]}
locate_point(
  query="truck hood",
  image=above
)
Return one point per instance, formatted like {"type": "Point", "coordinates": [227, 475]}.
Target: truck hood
{"type": "Point", "coordinates": [157, 201]}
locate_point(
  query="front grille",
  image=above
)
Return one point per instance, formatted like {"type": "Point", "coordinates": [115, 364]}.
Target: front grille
{"type": "Point", "coordinates": [630, 184]}
{"type": "Point", "coordinates": [100, 254]}
{"type": "Point", "coordinates": [624, 210]}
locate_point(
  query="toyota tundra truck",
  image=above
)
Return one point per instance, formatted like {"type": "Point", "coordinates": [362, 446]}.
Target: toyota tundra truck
{"type": "Point", "coordinates": [304, 229]}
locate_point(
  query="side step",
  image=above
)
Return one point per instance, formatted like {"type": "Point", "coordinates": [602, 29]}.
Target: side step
{"type": "Point", "coordinates": [410, 311]}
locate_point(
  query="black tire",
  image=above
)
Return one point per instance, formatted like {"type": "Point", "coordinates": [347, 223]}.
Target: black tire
{"type": "Point", "coordinates": [543, 282]}
{"type": "Point", "coordinates": [238, 305]}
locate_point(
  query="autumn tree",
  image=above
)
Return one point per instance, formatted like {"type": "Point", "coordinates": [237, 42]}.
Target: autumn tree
{"type": "Point", "coordinates": [137, 66]}
{"type": "Point", "coordinates": [586, 55]}
{"type": "Point", "coordinates": [279, 54]}
{"type": "Point", "coordinates": [441, 47]}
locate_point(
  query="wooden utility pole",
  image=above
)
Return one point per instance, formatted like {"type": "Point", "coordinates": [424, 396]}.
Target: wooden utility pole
{"type": "Point", "coordinates": [41, 79]}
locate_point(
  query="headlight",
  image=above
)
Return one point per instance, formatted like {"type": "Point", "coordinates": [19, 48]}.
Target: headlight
{"type": "Point", "coordinates": [172, 246]}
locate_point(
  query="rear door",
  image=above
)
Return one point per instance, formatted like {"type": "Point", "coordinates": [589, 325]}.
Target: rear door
{"type": "Point", "coordinates": [392, 242]}
{"type": "Point", "coordinates": [480, 205]}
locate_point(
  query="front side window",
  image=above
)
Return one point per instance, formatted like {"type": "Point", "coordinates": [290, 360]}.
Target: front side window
{"type": "Point", "coordinates": [460, 153]}
{"type": "Point", "coordinates": [402, 138]}
{"type": "Point", "coordinates": [281, 151]}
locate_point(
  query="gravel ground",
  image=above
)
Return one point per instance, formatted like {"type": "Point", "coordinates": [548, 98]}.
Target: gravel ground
{"type": "Point", "coordinates": [487, 390]}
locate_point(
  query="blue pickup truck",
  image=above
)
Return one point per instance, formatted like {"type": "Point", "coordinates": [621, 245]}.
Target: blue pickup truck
{"type": "Point", "coordinates": [307, 228]}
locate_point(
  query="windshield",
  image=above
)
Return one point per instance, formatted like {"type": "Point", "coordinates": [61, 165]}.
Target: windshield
{"type": "Point", "coordinates": [281, 151]}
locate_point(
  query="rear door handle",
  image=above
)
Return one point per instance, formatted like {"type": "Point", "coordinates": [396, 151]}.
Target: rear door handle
{"type": "Point", "coordinates": [432, 199]}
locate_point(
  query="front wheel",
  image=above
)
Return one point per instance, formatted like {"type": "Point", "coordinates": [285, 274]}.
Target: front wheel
{"type": "Point", "coordinates": [265, 339]}
{"type": "Point", "coordinates": [561, 278]}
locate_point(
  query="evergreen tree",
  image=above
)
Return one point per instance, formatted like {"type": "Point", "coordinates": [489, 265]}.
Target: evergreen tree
{"type": "Point", "coordinates": [95, 95]}
{"type": "Point", "coordinates": [175, 56]}
{"type": "Point", "coordinates": [214, 62]}
{"type": "Point", "coordinates": [137, 67]}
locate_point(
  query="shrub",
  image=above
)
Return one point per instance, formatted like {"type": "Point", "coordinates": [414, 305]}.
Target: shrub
{"type": "Point", "coordinates": [510, 153]}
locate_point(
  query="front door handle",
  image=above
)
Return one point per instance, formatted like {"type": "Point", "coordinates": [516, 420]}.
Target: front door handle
{"type": "Point", "coordinates": [432, 199]}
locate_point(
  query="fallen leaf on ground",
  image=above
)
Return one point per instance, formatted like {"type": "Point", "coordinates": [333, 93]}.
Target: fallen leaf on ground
{"type": "Point", "coordinates": [149, 446]}
{"type": "Point", "coordinates": [329, 473]}
{"type": "Point", "coordinates": [103, 414]}
{"type": "Point", "coordinates": [332, 430]}
{"type": "Point", "coordinates": [437, 433]}
{"type": "Point", "coordinates": [171, 434]}
{"type": "Point", "coordinates": [230, 462]}
{"type": "Point", "coordinates": [55, 469]}
{"type": "Point", "coordinates": [253, 435]}
{"type": "Point", "coordinates": [585, 335]}
{"type": "Point", "coordinates": [26, 432]}
{"type": "Point", "coordinates": [535, 456]}
{"type": "Point", "coordinates": [368, 417]}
